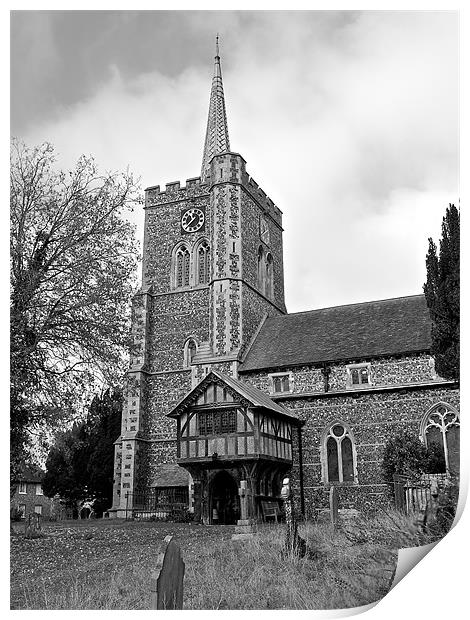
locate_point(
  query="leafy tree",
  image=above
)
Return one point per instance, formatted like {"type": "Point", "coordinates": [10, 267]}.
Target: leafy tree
{"type": "Point", "coordinates": [80, 464]}
{"type": "Point", "coordinates": [73, 258]}
{"type": "Point", "coordinates": [435, 459]}
{"type": "Point", "coordinates": [404, 454]}
{"type": "Point", "coordinates": [442, 291]}
{"type": "Point", "coordinates": [105, 427]}
{"type": "Point", "coordinates": [66, 466]}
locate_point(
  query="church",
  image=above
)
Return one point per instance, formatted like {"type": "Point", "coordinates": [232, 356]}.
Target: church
{"type": "Point", "coordinates": [226, 392]}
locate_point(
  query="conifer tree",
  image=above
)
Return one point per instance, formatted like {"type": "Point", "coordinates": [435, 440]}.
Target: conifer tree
{"type": "Point", "coordinates": [80, 463]}
{"type": "Point", "coordinates": [442, 291]}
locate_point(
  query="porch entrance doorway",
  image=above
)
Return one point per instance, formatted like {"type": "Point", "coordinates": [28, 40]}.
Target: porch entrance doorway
{"type": "Point", "coordinates": [225, 502]}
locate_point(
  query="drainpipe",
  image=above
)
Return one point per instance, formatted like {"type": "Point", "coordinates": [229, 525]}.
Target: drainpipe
{"type": "Point", "coordinates": [301, 473]}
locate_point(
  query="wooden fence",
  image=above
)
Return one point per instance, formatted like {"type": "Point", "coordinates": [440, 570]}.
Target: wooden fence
{"type": "Point", "coordinates": [411, 494]}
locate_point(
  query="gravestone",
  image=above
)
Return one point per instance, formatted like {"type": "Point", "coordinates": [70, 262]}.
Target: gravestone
{"type": "Point", "coordinates": [428, 516]}
{"type": "Point", "coordinates": [295, 544]}
{"type": "Point", "coordinates": [166, 582]}
{"type": "Point", "coordinates": [334, 506]}
{"type": "Point", "coordinates": [32, 526]}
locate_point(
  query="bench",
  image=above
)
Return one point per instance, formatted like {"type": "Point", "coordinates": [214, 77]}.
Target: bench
{"type": "Point", "coordinates": [271, 508]}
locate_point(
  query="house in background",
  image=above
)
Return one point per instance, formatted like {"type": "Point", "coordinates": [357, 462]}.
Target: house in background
{"type": "Point", "coordinates": [29, 497]}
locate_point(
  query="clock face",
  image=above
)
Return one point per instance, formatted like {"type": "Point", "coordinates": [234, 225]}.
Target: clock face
{"type": "Point", "coordinates": [192, 220]}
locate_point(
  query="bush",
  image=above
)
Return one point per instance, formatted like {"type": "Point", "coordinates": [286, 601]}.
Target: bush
{"type": "Point", "coordinates": [403, 454]}
{"type": "Point", "coordinates": [435, 459]}
{"type": "Point", "coordinates": [16, 514]}
{"type": "Point", "coordinates": [180, 516]}
{"type": "Point", "coordinates": [446, 507]}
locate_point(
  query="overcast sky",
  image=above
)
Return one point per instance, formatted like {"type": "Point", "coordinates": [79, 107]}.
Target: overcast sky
{"type": "Point", "coordinates": [347, 120]}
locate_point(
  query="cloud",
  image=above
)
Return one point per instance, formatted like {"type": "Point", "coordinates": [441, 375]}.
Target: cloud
{"type": "Point", "coordinates": [348, 121]}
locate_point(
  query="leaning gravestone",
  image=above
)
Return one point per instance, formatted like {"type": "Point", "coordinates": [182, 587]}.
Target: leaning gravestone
{"type": "Point", "coordinates": [166, 583]}
{"type": "Point", "coordinates": [32, 526]}
{"type": "Point", "coordinates": [334, 506]}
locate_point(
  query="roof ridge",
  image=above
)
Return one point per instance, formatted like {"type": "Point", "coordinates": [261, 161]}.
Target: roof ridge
{"type": "Point", "coordinates": [357, 303]}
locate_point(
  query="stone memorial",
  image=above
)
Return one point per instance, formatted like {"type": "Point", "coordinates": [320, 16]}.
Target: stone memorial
{"type": "Point", "coordinates": [244, 527]}
{"type": "Point", "coordinates": [166, 582]}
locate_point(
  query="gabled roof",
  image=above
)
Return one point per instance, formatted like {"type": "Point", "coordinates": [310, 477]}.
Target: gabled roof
{"type": "Point", "coordinates": [351, 332]}
{"type": "Point", "coordinates": [170, 475]}
{"type": "Point", "coordinates": [255, 397]}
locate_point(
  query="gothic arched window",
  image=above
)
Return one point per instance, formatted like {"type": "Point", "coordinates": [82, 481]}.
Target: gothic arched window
{"type": "Point", "coordinates": [441, 427]}
{"type": "Point", "coordinates": [269, 288]}
{"type": "Point", "coordinates": [182, 267]}
{"type": "Point", "coordinates": [190, 350]}
{"type": "Point", "coordinates": [339, 454]}
{"type": "Point", "coordinates": [261, 271]}
{"type": "Point", "coordinates": [202, 258]}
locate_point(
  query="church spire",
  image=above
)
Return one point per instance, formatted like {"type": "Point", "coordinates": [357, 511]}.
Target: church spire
{"type": "Point", "coordinates": [217, 132]}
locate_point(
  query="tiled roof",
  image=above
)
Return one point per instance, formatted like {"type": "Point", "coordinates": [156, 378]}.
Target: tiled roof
{"type": "Point", "coordinates": [30, 473]}
{"type": "Point", "coordinates": [356, 331]}
{"type": "Point", "coordinates": [170, 475]}
{"type": "Point", "coordinates": [256, 397]}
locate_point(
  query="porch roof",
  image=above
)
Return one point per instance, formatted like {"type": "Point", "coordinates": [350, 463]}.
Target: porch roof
{"type": "Point", "coordinates": [170, 475]}
{"type": "Point", "coordinates": [253, 395]}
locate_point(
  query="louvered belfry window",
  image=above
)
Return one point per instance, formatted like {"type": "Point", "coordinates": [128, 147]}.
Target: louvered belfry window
{"type": "Point", "coordinates": [203, 263]}
{"type": "Point", "coordinates": [182, 267]}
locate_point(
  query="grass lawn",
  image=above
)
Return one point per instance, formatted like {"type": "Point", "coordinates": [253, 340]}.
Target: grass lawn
{"type": "Point", "coordinates": [106, 564]}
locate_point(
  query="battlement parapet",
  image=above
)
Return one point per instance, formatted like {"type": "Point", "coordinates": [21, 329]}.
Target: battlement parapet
{"type": "Point", "coordinates": [174, 191]}
{"type": "Point", "coordinates": [261, 197]}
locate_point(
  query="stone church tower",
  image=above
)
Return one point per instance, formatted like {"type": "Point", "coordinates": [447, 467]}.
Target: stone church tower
{"type": "Point", "coordinates": [212, 273]}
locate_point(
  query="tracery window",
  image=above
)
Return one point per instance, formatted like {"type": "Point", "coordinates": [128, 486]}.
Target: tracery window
{"type": "Point", "coordinates": [203, 263]}
{"type": "Point", "coordinates": [269, 276]}
{"type": "Point", "coordinates": [261, 270]}
{"type": "Point", "coordinates": [339, 455]}
{"type": "Point", "coordinates": [441, 426]}
{"type": "Point", "coordinates": [183, 262]}
{"type": "Point", "coordinates": [265, 273]}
